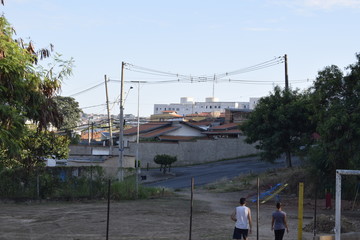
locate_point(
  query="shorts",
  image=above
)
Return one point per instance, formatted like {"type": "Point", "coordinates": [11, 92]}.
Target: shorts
{"type": "Point", "coordinates": [238, 233]}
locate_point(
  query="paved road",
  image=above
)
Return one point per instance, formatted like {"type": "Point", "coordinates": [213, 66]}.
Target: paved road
{"type": "Point", "coordinates": [207, 173]}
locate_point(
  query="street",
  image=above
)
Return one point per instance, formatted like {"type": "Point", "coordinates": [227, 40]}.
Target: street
{"type": "Point", "coordinates": [211, 172]}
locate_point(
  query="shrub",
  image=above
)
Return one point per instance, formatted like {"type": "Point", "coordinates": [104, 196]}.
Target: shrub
{"type": "Point", "coordinates": [164, 161]}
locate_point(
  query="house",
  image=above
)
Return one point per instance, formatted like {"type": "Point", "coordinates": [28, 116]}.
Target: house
{"type": "Point", "coordinates": [164, 131]}
{"type": "Point", "coordinates": [228, 130]}
{"type": "Point", "coordinates": [165, 116]}
{"type": "Point", "coordinates": [234, 115]}
{"type": "Point", "coordinates": [97, 136]}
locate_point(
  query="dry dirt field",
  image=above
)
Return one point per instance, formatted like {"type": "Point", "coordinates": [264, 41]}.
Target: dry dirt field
{"type": "Point", "coordinates": [162, 218]}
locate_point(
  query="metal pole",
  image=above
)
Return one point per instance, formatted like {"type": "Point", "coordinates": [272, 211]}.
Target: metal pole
{"type": "Point", "coordinates": [286, 73]}
{"type": "Point", "coordinates": [191, 206]}
{"type": "Point", "coordinates": [137, 144]}
{"type": "Point", "coordinates": [258, 209]}
{"type": "Point", "coordinates": [121, 126]}
{"type": "Point", "coordinates": [108, 211]}
{"type": "Point", "coordinates": [300, 210]}
{"type": "Point", "coordinates": [340, 172]}
{"type": "Point", "coordinates": [338, 206]}
{"type": "Point", "coordinates": [89, 139]}
{"type": "Point", "coordinates": [108, 113]}
{"type": "Point", "coordinates": [315, 213]}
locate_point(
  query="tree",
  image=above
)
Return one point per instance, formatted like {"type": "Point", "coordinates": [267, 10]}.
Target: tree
{"type": "Point", "coordinates": [279, 124]}
{"type": "Point", "coordinates": [164, 161]}
{"type": "Point", "coordinates": [69, 110]}
{"type": "Point", "coordinates": [27, 91]}
{"type": "Point", "coordinates": [336, 98]}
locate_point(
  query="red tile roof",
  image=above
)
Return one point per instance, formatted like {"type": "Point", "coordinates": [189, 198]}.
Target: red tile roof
{"type": "Point", "coordinates": [158, 132]}
{"type": "Point", "coordinates": [225, 126]}
{"type": "Point", "coordinates": [147, 127]}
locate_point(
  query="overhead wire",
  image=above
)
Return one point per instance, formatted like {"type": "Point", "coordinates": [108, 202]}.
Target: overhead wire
{"type": "Point", "coordinates": [182, 78]}
{"type": "Point", "coordinates": [86, 90]}
{"type": "Point", "coordinates": [266, 64]}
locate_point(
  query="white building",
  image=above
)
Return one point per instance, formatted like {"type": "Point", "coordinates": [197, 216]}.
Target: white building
{"type": "Point", "coordinates": [187, 106]}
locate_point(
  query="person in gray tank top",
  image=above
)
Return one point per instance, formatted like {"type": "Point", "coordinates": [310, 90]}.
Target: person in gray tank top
{"type": "Point", "coordinates": [279, 223]}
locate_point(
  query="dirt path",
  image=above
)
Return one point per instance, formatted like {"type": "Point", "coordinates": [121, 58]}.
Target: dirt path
{"type": "Point", "coordinates": [164, 218]}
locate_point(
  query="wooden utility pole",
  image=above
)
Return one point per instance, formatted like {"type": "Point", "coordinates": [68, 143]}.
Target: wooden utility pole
{"type": "Point", "coordinates": [288, 154]}
{"type": "Point", "coordinates": [286, 74]}
{"type": "Point", "coordinates": [121, 126]}
{"type": "Point", "coordinates": [108, 113]}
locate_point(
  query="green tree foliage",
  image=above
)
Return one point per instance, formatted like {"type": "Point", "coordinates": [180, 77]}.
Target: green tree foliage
{"type": "Point", "coordinates": [69, 110]}
{"type": "Point", "coordinates": [27, 91]}
{"type": "Point", "coordinates": [164, 161]}
{"type": "Point", "coordinates": [279, 124]}
{"type": "Point", "coordinates": [336, 101]}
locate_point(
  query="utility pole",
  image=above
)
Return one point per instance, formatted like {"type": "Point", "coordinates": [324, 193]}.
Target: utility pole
{"type": "Point", "coordinates": [137, 161]}
{"type": "Point", "coordinates": [286, 74]}
{"type": "Point", "coordinates": [89, 138]}
{"type": "Point", "coordinates": [288, 154]}
{"type": "Point", "coordinates": [213, 92]}
{"type": "Point", "coordinates": [121, 126]}
{"type": "Point", "coordinates": [108, 113]}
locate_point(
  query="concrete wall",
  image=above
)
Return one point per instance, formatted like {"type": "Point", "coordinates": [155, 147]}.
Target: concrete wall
{"type": "Point", "coordinates": [193, 152]}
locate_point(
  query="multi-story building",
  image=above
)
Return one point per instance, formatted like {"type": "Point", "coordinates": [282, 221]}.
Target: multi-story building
{"type": "Point", "coordinates": [187, 106]}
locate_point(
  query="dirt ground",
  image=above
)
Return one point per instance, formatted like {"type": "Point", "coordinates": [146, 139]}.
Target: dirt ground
{"type": "Point", "coordinates": [162, 218]}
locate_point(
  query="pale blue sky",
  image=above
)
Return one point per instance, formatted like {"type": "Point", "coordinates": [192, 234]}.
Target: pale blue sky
{"type": "Point", "coordinates": [195, 38]}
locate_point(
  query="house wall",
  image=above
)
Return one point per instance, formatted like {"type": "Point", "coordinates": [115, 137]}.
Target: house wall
{"type": "Point", "coordinates": [185, 131]}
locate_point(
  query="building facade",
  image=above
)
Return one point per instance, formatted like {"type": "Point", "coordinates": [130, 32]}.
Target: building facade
{"type": "Point", "coordinates": [187, 106]}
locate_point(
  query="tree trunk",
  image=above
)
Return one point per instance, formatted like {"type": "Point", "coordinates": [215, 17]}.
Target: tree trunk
{"type": "Point", "coordinates": [288, 159]}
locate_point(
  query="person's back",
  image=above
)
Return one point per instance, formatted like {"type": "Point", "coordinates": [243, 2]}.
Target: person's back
{"type": "Point", "coordinates": [279, 217]}
{"type": "Point", "coordinates": [279, 223]}
{"type": "Point", "coordinates": [242, 220]}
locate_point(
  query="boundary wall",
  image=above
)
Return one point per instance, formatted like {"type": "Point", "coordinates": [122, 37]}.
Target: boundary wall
{"type": "Point", "coordinates": [187, 152]}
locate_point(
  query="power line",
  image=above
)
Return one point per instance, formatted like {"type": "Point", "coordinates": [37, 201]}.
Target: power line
{"type": "Point", "coordinates": [86, 90]}
{"type": "Point", "coordinates": [266, 64]}
{"type": "Point", "coordinates": [181, 78]}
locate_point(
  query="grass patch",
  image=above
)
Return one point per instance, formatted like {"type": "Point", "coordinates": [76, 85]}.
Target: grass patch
{"type": "Point", "coordinates": [291, 176]}
{"type": "Point", "coordinates": [126, 190]}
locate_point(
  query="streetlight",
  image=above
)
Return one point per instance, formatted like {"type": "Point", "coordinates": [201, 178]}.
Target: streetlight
{"type": "Point", "coordinates": [121, 126]}
{"type": "Point", "coordinates": [137, 161]}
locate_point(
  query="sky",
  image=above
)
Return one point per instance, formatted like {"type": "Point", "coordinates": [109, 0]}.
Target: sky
{"type": "Point", "coordinates": [174, 49]}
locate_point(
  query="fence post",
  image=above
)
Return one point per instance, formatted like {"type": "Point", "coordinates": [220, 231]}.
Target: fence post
{"type": "Point", "coordinates": [108, 211]}
{"type": "Point", "coordinates": [191, 206]}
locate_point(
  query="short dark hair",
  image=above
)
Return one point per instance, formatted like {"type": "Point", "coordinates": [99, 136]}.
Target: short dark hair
{"type": "Point", "coordinates": [278, 205]}
{"type": "Point", "coordinates": [242, 200]}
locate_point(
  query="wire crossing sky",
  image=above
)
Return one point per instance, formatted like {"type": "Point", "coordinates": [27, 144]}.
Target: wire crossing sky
{"type": "Point", "coordinates": [181, 78]}
{"type": "Point", "coordinates": [188, 48]}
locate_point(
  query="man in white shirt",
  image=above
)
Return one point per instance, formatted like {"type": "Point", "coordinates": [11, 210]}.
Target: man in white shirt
{"type": "Point", "coordinates": [242, 218]}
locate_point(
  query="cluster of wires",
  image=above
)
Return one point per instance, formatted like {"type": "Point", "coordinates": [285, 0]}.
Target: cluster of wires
{"type": "Point", "coordinates": [163, 77]}
{"type": "Point", "coordinates": [182, 78]}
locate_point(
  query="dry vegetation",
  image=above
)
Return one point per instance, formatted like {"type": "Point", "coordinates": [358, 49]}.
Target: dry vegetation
{"type": "Point", "coordinates": [168, 217]}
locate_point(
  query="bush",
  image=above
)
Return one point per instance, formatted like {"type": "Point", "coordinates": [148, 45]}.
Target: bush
{"type": "Point", "coordinates": [164, 161]}
{"type": "Point", "coordinates": [125, 190]}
